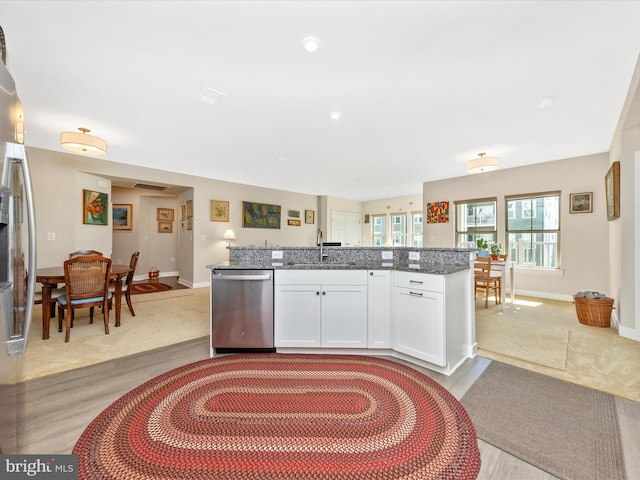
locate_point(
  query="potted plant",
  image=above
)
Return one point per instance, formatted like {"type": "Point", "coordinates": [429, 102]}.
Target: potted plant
{"type": "Point", "coordinates": [496, 249]}
{"type": "Point", "coordinates": [482, 245]}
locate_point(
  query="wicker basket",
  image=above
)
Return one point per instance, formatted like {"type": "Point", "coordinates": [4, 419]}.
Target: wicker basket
{"type": "Point", "coordinates": [595, 312]}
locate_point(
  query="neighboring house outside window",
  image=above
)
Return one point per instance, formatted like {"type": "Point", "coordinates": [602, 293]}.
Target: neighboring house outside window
{"type": "Point", "coordinates": [416, 229]}
{"type": "Point", "coordinates": [475, 219]}
{"type": "Point", "coordinates": [399, 232]}
{"type": "Point", "coordinates": [379, 230]}
{"type": "Point", "coordinates": [533, 229]}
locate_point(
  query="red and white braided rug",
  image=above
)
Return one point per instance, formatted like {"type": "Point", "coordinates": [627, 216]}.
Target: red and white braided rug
{"type": "Point", "coordinates": [283, 416]}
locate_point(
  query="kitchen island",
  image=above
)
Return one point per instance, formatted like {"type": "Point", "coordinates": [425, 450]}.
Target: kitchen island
{"type": "Point", "coordinates": [411, 303]}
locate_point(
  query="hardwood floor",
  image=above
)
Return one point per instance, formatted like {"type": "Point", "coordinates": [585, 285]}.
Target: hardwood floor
{"type": "Point", "coordinates": [56, 409]}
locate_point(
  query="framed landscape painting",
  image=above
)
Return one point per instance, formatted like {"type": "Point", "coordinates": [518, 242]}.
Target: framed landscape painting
{"type": "Point", "coordinates": [165, 215]}
{"type": "Point", "coordinates": [612, 190]}
{"type": "Point", "coordinates": [95, 206]}
{"type": "Point", "coordinates": [581, 202]}
{"type": "Point", "coordinates": [260, 215]}
{"type": "Point", "coordinates": [122, 216]}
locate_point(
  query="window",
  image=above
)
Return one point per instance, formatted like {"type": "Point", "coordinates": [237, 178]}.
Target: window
{"type": "Point", "coordinates": [533, 233]}
{"type": "Point", "coordinates": [475, 219]}
{"type": "Point", "coordinates": [399, 229]}
{"type": "Point", "coordinates": [379, 226]}
{"type": "Point", "coordinates": [416, 229]}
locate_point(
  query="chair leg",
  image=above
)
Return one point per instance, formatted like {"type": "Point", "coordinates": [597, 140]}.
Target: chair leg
{"type": "Point", "coordinates": [105, 311]}
{"type": "Point", "coordinates": [67, 334]}
{"type": "Point", "coordinates": [486, 295]}
{"type": "Point", "coordinates": [127, 295]}
{"type": "Point", "coordinates": [60, 317]}
{"type": "Point", "coordinates": [90, 315]}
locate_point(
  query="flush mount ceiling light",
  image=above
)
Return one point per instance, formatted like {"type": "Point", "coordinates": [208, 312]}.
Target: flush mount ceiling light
{"type": "Point", "coordinates": [336, 115]}
{"type": "Point", "coordinates": [83, 143]}
{"type": "Point", "coordinates": [311, 44]}
{"type": "Point", "coordinates": [482, 164]}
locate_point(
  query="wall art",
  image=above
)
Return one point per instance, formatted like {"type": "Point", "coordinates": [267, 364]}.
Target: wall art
{"type": "Point", "coordinates": [309, 216]}
{"type": "Point", "coordinates": [612, 189]}
{"type": "Point", "coordinates": [581, 202]}
{"type": "Point", "coordinates": [438, 212]}
{"type": "Point", "coordinates": [294, 213]}
{"type": "Point", "coordinates": [260, 215]}
{"type": "Point", "coordinates": [122, 216]}
{"type": "Point", "coordinates": [95, 206]}
{"type": "Point", "coordinates": [165, 227]}
{"type": "Point", "coordinates": [219, 211]}
{"type": "Point", "coordinates": [165, 215]}
{"type": "Point", "coordinates": [294, 223]}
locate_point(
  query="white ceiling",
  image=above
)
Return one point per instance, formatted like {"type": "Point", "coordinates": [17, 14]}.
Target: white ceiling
{"type": "Point", "coordinates": [422, 86]}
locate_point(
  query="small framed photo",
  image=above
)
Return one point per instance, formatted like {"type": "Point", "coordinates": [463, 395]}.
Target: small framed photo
{"type": "Point", "coordinates": [612, 191]}
{"type": "Point", "coordinates": [189, 205]}
{"type": "Point", "coordinates": [219, 211]}
{"type": "Point", "coordinates": [165, 215]}
{"type": "Point", "coordinates": [122, 216]}
{"type": "Point", "coordinates": [182, 212]}
{"type": "Point", "coordinates": [581, 202]}
{"type": "Point", "coordinates": [165, 227]}
{"type": "Point", "coordinates": [309, 216]}
{"type": "Point", "coordinates": [294, 213]}
{"type": "Point", "coordinates": [189, 223]}
{"type": "Point", "coordinates": [294, 223]}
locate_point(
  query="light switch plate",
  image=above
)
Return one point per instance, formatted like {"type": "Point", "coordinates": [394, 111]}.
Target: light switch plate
{"type": "Point", "coordinates": [414, 255]}
{"type": "Point", "coordinates": [276, 254]}
{"type": "Point", "coordinates": [387, 255]}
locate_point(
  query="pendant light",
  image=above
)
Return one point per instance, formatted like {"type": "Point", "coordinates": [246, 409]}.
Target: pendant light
{"type": "Point", "coordinates": [83, 143]}
{"type": "Point", "coordinates": [482, 164]}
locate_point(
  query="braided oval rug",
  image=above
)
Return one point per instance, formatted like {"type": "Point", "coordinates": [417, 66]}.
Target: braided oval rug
{"type": "Point", "coordinates": [283, 416]}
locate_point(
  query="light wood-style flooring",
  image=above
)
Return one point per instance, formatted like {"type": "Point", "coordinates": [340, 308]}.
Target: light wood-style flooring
{"type": "Point", "coordinates": [57, 408]}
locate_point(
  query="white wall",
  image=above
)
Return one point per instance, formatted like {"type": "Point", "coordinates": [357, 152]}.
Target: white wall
{"type": "Point", "coordinates": [407, 203]}
{"type": "Point", "coordinates": [584, 238]}
{"type": "Point", "coordinates": [58, 210]}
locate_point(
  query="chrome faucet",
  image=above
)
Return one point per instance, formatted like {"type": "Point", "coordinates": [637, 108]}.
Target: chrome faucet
{"type": "Point", "coordinates": [319, 243]}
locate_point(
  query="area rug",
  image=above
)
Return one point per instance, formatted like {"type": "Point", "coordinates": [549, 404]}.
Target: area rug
{"type": "Point", "coordinates": [524, 340]}
{"type": "Point", "coordinates": [151, 287]}
{"type": "Point", "coordinates": [565, 429]}
{"type": "Point", "coordinates": [283, 416]}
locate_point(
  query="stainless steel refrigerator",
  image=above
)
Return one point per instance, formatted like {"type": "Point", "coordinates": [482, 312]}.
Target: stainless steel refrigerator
{"type": "Point", "coordinates": [17, 258]}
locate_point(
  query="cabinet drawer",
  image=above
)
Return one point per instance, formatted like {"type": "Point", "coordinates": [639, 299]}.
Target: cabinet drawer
{"type": "Point", "coordinates": [320, 277]}
{"type": "Point", "coordinates": [419, 281]}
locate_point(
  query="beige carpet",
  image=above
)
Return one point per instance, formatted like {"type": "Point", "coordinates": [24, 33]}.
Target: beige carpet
{"type": "Point", "coordinates": [525, 340]}
{"type": "Point", "coordinates": [595, 357]}
{"type": "Point", "coordinates": [162, 318]}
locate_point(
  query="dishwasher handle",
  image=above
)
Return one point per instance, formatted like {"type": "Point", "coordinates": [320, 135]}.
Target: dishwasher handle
{"type": "Point", "coordinates": [219, 276]}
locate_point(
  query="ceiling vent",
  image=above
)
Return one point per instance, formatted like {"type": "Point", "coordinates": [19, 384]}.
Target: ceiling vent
{"type": "Point", "coordinates": [148, 186]}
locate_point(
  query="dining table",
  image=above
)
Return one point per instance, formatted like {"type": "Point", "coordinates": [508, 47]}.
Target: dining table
{"type": "Point", "coordinates": [502, 267]}
{"type": "Point", "coordinates": [50, 277]}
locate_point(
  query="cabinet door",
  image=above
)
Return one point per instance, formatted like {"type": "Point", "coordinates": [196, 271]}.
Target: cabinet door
{"type": "Point", "coordinates": [297, 315]}
{"type": "Point", "coordinates": [419, 324]}
{"type": "Point", "coordinates": [379, 309]}
{"type": "Point", "coordinates": [344, 316]}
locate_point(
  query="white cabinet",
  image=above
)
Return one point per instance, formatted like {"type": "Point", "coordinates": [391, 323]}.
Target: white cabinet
{"type": "Point", "coordinates": [379, 308]}
{"type": "Point", "coordinates": [430, 317]}
{"type": "Point", "coordinates": [320, 308]}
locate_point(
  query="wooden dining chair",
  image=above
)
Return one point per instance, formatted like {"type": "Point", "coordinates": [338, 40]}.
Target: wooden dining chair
{"type": "Point", "coordinates": [84, 252]}
{"type": "Point", "coordinates": [484, 281]}
{"type": "Point", "coordinates": [86, 286]}
{"type": "Point", "coordinates": [128, 281]}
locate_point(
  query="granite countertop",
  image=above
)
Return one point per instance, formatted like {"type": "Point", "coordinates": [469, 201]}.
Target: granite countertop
{"type": "Point", "coordinates": [436, 268]}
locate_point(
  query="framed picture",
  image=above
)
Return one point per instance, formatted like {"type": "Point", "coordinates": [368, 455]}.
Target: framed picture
{"type": "Point", "coordinates": [294, 223]}
{"type": "Point", "coordinates": [219, 211]}
{"type": "Point", "coordinates": [189, 223]}
{"type": "Point", "coordinates": [438, 212]}
{"type": "Point", "coordinates": [294, 213]}
{"type": "Point", "coordinates": [182, 212]}
{"type": "Point", "coordinates": [260, 215]}
{"type": "Point", "coordinates": [122, 216]}
{"type": "Point", "coordinates": [95, 207]}
{"type": "Point", "coordinates": [189, 205]}
{"type": "Point", "coordinates": [165, 215]}
{"type": "Point", "coordinates": [581, 202]}
{"type": "Point", "coordinates": [165, 227]}
{"type": "Point", "coordinates": [612, 191]}
{"type": "Point", "coordinates": [309, 216]}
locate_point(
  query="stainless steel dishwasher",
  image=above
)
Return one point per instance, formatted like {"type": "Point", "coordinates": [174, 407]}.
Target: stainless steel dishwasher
{"type": "Point", "coordinates": [242, 310]}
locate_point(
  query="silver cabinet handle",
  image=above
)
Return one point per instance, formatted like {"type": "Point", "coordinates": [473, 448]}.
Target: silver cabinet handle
{"type": "Point", "coordinates": [415, 294]}
{"type": "Point", "coordinates": [267, 276]}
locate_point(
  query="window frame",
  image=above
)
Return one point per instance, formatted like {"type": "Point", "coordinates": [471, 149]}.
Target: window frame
{"type": "Point", "coordinates": [533, 231]}
{"type": "Point", "coordinates": [476, 233]}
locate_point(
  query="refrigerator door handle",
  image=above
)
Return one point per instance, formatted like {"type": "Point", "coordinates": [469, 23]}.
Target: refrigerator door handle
{"type": "Point", "coordinates": [16, 153]}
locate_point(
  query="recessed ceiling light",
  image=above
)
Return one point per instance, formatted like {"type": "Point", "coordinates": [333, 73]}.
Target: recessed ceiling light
{"type": "Point", "coordinates": [546, 103]}
{"type": "Point", "coordinates": [311, 44]}
{"type": "Point", "coordinates": [336, 115]}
